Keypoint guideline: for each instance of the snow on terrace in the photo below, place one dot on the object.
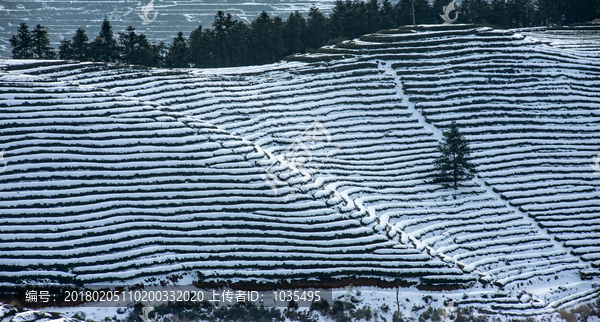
(370, 103)
(582, 39)
(101, 186)
(533, 143)
(385, 106)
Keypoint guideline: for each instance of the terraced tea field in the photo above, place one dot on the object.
(119, 172)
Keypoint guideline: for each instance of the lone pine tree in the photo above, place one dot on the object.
(453, 165)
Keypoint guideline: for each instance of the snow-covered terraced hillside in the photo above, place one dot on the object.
(101, 187)
(361, 205)
(385, 154)
(531, 113)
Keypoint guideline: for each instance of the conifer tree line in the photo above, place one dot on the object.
(34, 44)
(267, 39)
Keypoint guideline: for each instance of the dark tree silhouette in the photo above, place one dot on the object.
(453, 164)
(404, 12)
(222, 33)
(240, 43)
(386, 15)
(159, 54)
(266, 43)
(474, 11)
(80, 45)
(293, 32)
(567, 11)
(64, 49)
(135, 48)
(41, 43)
(200, 42)
(77, 48)
(22, 43)
(105, 48)
(177, 55)
(269, 39)
(317, 29)
(128, 44)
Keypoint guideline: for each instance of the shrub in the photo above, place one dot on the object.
(241, 312)
(581, 313)
(299, 316)
(397, 317)
(321, 306)
(363, 313)
(385, 308)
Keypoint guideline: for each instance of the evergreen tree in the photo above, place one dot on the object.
(474, 11)
(453, 164)
(266, 39)
(518, 13)
(386, 16)
(158, 54)
(135, 48)
(222, 44)
(77, 48)
(404, 15)
(80, 46)
(358, 19)
(260, 38)
(128, 45)
(41, 43)
(240, 44)
(144, 52)
(317, 29)
(564, 12)
(64, 49)
(338, 19)
(104, 47)
(351, 19)
(373, 21)
(293, 32)
(266, 42)
(22, 43)
(277, 49)
(423, 12)
(581, 11)
(549, 11)
(178, 53)
(199, 43)
(498, 13)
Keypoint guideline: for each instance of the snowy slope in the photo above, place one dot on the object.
(100, 187)
(152, 171)
(582, 39)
